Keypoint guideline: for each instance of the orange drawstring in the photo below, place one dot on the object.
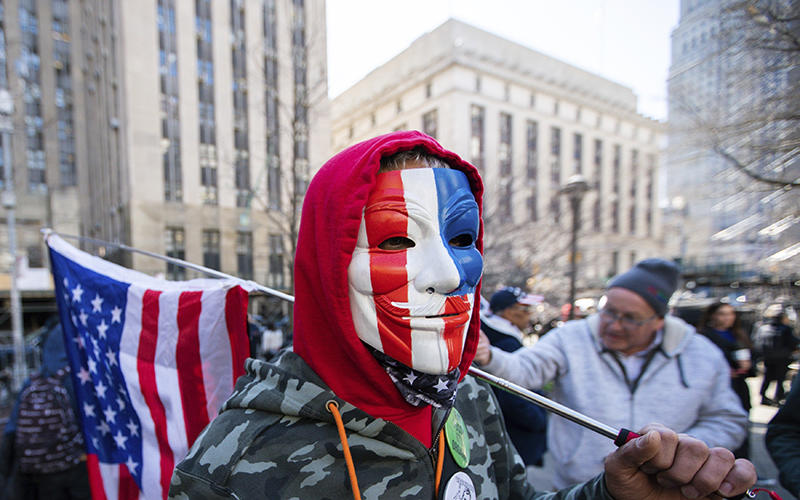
(439, 461)
(333, 407)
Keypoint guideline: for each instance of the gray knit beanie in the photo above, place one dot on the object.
(655, 280)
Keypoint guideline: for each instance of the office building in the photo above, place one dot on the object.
(181, 128)
(528, 122)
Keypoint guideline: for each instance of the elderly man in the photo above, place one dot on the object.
(374, 399)
(629, 364)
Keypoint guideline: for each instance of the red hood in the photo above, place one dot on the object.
(324, 334)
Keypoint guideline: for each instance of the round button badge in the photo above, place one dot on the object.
(460, 487)
(455, 432)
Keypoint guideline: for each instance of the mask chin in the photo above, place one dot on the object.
(430, 345)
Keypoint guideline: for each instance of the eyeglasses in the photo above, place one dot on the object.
(626, 321)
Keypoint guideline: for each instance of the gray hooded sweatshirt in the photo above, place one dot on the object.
(684, 384)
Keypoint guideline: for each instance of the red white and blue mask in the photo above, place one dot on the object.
(413, 274)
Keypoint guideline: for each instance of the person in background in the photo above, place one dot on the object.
(774, 344)
(55, 469)
(374, 395)
(721, 325)
(508, 316)
(626, 365)
(783, 440)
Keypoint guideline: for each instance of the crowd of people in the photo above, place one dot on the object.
(373, 398)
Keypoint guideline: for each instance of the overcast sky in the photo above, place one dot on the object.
(626, 41)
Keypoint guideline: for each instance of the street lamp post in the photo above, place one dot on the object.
(10, 203)
(575, 188)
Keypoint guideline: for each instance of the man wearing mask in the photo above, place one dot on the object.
(374, 397)
(627, 365)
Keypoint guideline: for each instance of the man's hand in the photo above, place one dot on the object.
(484, 353)
(661, 465)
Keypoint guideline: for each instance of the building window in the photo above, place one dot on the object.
(533, 101)
(244, 255)
(2, 164)
(634, 180)
(577, 154)
(504, 204)
(429, 123)
(555, 173)
(272, 111)
(598, 184)
(533, 212)
(614, 264)
(428, 90)
(616, 164)
(32, 96)
(507, 92)
(205, 104)
(505, 150)
(555, 108)
(532, 167)
(399, 106)
(651, 174)
(240, 114)
(276, 254)
(170, 111)
(211, 258)
(35, 256)
(532, 150)
(478, 84)
(62, 61)
(176, 248)
(578, 115)
(476, 141)
(300, 128)
(505, 155)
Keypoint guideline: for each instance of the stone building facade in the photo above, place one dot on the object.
(528, 122)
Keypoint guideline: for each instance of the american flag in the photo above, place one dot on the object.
(152, 361)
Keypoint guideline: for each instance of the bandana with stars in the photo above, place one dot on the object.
(420, 388)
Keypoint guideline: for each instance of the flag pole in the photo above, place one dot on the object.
(620, 436)
(172, 260)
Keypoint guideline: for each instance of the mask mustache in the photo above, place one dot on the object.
(430, 308)
(436, 305)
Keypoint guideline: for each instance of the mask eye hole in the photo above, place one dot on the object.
(396, 243)
(461, 241)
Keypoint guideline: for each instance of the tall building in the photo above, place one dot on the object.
(528, 122)
(733, 103)
(183, 128)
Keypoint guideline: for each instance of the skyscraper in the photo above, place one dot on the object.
(733, 139)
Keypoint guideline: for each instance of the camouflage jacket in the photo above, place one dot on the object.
(275, 439)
